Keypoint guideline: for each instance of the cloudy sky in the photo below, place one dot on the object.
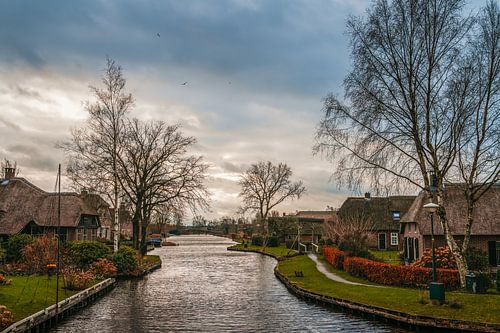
(257, 71)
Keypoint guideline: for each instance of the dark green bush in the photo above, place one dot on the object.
(84, 253)
(125, 260)
(273, 241)
(483, 282)
(477, 260)
(15, 245)
(257, 240)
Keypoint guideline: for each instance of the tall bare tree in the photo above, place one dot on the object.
(155, 169)
(403, 120)
(476, 91)
(93, 148)
(264, 186)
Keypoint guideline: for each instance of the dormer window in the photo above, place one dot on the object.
(396, 215)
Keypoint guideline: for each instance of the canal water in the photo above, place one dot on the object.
(202, 287)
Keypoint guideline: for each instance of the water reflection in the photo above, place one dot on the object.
(202, 287)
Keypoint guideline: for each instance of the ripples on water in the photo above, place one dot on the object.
(202, 287)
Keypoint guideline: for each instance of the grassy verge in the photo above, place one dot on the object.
(475, 308)
(279, 251)
(29, 294)
(150, 260)
(390, 257)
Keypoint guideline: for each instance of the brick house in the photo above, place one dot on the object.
(27, 209)
(416, 225)
(383, 213)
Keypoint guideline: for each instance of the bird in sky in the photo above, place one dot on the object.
(158, 34)
(183, 84)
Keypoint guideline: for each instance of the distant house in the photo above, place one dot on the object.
(27, 209)
(416, 226)
(384, 214)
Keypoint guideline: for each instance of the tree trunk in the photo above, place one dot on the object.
(144, 245)
(116, 224)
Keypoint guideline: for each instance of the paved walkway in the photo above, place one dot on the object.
(322, 268)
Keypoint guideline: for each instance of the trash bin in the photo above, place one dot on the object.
(470, 282)
(436, 291)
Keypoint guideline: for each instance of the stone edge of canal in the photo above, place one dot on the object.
(395, 318)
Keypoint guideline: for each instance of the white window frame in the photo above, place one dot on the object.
(394, 238)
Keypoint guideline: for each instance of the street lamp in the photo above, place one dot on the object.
(436, 289)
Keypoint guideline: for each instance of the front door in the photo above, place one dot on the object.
(381, 241)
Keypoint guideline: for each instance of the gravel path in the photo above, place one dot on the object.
(321, 267)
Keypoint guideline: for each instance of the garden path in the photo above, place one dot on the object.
(323, 269)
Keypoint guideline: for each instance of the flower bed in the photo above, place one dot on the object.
(334, 256)
(394, 275)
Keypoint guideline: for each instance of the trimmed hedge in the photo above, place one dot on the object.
(334, 256)
(84, 253)
(394, 275)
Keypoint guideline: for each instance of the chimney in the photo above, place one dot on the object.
(367, 196)
(9, 172)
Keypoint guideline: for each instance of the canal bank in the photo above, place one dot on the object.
(202, 287)
(314, 286)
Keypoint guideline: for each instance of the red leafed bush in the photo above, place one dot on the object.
(103, 268)
(334, 256)
(39, 253)
(395, 275)
(6, 317)
(3, 280)
(77, 279)
(444, 259)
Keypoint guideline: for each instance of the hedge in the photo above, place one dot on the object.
(334, 256)
(394, 275)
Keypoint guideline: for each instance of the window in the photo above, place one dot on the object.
(396, 215)
(394, 238)
(80, 234)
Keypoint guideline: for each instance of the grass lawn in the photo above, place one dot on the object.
(390, 257)
(280, 251)
(150, 260)
(29, 294)
(476, 308)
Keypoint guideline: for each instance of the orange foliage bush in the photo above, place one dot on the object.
(6, 317)
(76, 279)
(444, 259)
(39, 253)
(394, 275)
(334, 256)
(103, 268)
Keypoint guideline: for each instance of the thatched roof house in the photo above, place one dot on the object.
(384, 214)
(485, 235)
(25, 208)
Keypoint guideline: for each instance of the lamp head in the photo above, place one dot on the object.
(431, 207)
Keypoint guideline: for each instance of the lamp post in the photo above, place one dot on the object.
(436, 289)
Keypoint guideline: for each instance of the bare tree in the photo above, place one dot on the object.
(264, 186)
(400, 123)
(350, 233)
(93, 148)
(476, 91)
(155, 169)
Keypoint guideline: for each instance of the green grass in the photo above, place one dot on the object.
(390, 257)
(476, 308)
(150, 260)
(29, 294)
(280, 251)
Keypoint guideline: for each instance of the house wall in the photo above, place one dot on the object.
(373, 240)
(479, 242)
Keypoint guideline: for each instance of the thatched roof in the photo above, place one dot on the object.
(22, 202)
(486, 215)
(376, 209)
(325, 215)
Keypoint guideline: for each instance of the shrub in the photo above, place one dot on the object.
(125, 260)
(15, 245)
(77, 279)
(334, 256)
(273, 241)
(444, 258)
(84, 253)
(406, 276)
(355, 245)
(103, 268)
(257, 240)
(40, 252)
(3, 280)
(6, 317)
(477, 260)
(483, 282)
